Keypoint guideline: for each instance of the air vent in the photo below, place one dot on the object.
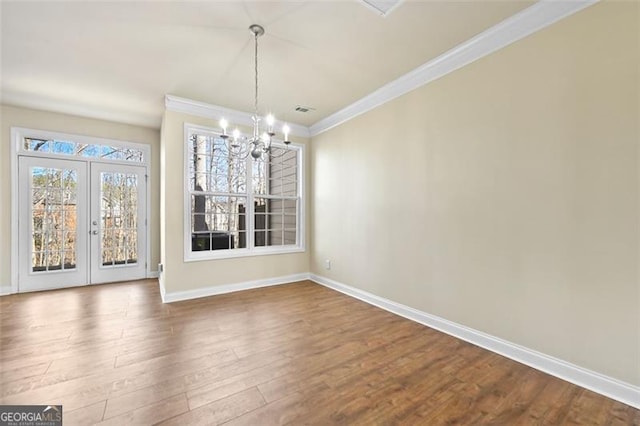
(382, 7)
(301, 108)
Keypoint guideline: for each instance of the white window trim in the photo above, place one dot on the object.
(18, 134)
(191, 256)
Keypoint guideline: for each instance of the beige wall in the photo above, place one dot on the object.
(503, 196)
(180, 275)
(41, 120)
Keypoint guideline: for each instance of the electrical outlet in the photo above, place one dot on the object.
(327, 264)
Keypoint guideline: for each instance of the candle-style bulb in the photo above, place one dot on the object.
(270, 121)
(236, 134)
(224, 123)
(285, 130)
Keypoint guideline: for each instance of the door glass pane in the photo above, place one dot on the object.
(53, 219)
(119, 218)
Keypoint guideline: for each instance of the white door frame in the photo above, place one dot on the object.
(17, 149)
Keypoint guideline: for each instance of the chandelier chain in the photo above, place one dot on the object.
(256, 73)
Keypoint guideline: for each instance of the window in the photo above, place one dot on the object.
(241, 206)
(97, 151)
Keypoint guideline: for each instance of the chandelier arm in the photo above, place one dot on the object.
(283, 149)
(240, 155)
(239, 151)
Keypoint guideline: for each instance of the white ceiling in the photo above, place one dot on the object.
(117, 59)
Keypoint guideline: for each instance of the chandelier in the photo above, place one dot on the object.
(260, 142)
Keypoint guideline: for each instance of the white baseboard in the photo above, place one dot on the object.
(152, 274)
(177, 296)
(596, 382)
(163, 291)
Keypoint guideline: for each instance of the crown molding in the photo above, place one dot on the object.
(372, 7)
(528, 21)
(202, 109)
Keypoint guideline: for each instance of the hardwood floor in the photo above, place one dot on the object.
(291, 354)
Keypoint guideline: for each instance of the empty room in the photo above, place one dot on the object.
(310, 212)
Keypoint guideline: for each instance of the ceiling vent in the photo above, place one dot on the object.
(301, 108)
(382, 7)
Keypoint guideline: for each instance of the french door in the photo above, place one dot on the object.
(117, 224)
(80, 223)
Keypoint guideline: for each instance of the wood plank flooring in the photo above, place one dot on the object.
(292, 354)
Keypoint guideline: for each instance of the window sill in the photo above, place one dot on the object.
(239, 253)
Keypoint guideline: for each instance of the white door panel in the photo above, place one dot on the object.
(53, 251)
(118, 246)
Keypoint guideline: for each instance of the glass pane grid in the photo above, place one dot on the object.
(217, 222)
(212, 169)
(277, 176)
(275, 222)
(53, 216)
(119, 219)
